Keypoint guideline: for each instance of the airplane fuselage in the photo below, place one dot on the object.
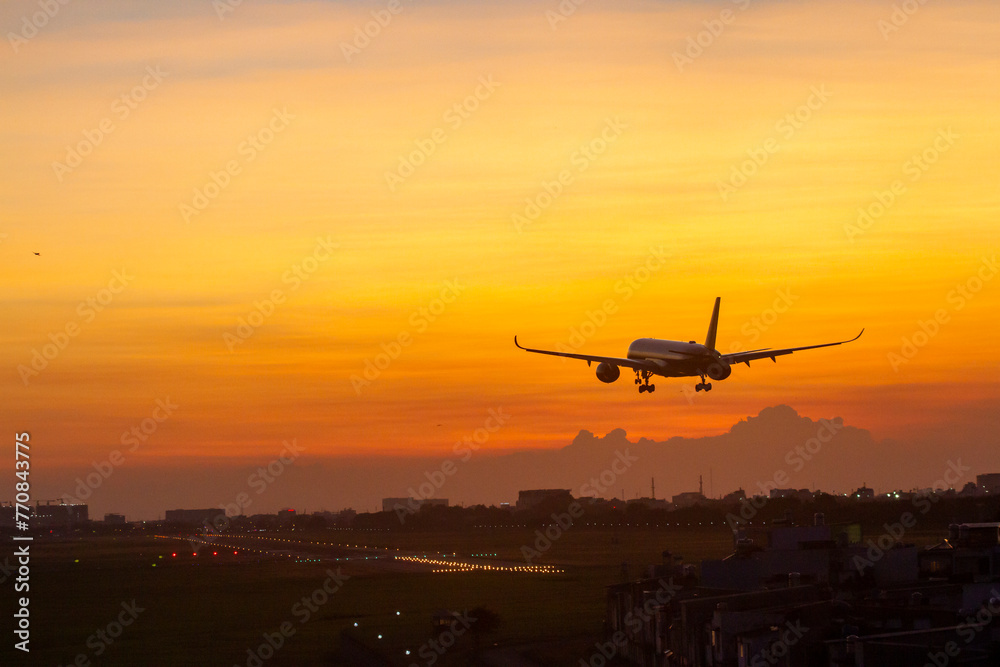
(673, 357)
(667, 350)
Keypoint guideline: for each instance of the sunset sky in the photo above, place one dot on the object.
(239, 211)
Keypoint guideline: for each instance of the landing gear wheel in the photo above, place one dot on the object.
(708, 387)
(699, 386)
(642, 379)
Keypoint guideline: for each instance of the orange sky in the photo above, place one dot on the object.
(308, 214)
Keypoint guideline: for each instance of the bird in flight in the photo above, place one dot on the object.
(38, 253)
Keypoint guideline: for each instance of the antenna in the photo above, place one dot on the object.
(652, 488)
(701, 486)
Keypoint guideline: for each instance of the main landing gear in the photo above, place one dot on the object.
(703, 386)
(642, 379)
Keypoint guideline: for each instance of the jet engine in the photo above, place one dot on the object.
(719, 370)
(608, 372)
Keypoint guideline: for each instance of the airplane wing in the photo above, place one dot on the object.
(617, 361)
(747, 357)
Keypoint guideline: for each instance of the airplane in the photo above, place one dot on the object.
(670, 358)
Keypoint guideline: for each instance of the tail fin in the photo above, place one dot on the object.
(713, 325)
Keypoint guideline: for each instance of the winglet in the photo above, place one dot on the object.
(518, 345)
(851, 340)
(713, 325)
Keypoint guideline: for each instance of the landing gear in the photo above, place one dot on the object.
(703, 386)
(642, 379)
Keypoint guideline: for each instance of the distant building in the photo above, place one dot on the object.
(970, 554)
(688, 499)
(116, 519)
(971, 489)
(817, 595)
(816, 553)
(56, 513)
(737, 496)
(47, 514)
(534, 497)
(199, 518)
(412, 504)
(864, 493)
(651, 503)
(990, 482)
(804, 495)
